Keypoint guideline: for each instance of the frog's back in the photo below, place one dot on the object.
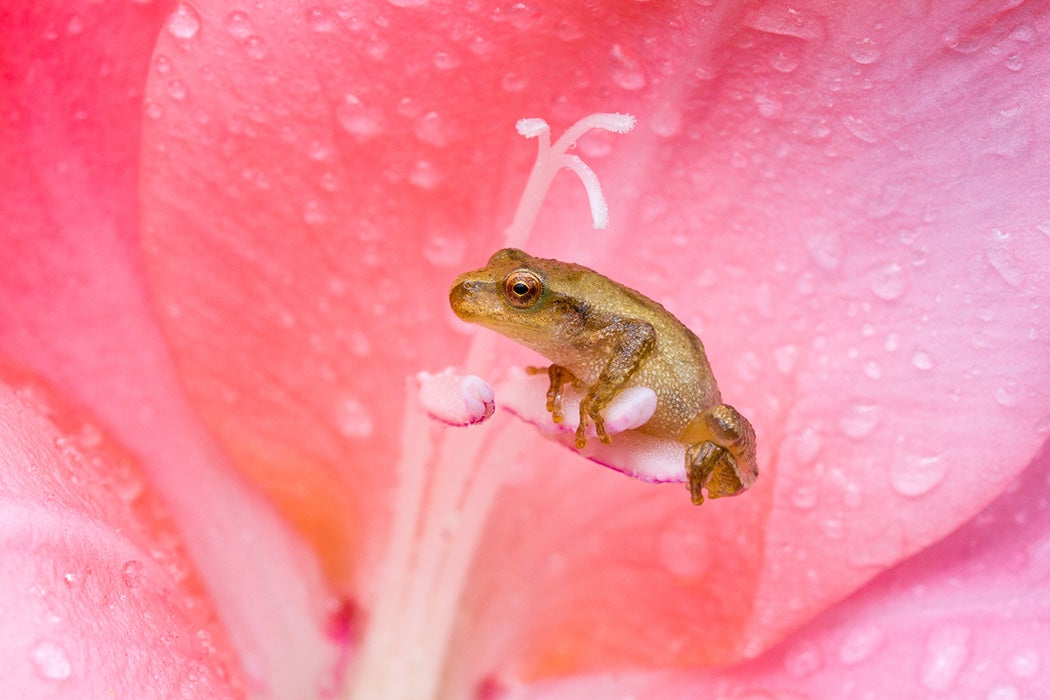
(677, 370)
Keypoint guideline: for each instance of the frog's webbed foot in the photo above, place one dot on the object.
(721, 453)
(559, 377)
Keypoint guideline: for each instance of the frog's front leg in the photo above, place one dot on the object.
(631, 341)
(559, 377)
(721, 453)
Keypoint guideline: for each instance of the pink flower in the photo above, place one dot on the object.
(228, 234)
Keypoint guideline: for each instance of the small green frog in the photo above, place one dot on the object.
(603, 338)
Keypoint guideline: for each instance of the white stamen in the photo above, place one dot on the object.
(550, 159)
(599, 207)
(531, 126)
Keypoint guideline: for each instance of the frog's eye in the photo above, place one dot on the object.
(522, 288)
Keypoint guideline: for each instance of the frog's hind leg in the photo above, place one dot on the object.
(721, 453)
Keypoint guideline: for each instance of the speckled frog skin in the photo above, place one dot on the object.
(603, 338)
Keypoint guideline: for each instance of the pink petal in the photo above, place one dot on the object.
(76, 310)
(968, 618)
(98, 597)
(845, 202)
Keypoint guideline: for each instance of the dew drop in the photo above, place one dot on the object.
(407, 3)
(74, 26)
(424, 175)
(162, 63)
(872, 370)
(803, 660)
(628, 74)
(1001, 258)
(946, 652)
(825, 246)
(1004, 692)
(783, 62)
(51, 661)
(804, 497)
(684, 550)
(959, 42)
(1014, 61)
(914, 475)
(832, 528)
(355, 118)
(860, 419)
(239, 25)
(865, 52)
(354, 419)
(785, 357)
(431, 129)
(184, 22)
(445, 251)
(512, 82)
(255, 47)
(1025, 664)
(133, 574)
(860, 128)
(1006, 395)
(177, 90)
(313, 214)
(889, 282)
(317, 151)
(666, 121)
(319, 20)
(444, 60)
(860, 644)
(153, 110)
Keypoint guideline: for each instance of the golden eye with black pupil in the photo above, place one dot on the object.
(522, 288)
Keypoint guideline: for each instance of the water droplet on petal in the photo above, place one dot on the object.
(804, 496)
(783, 62)
(946, 652)
(132, 574)
(431, 128)
(184, 22)
(860, 644)
(1002, 259)
(872, 370)
(407, 3)
(914, 476)
(1025, 664)
(239, 25)
(445, 60)
(860, 128)
(1014, 61)
(628, 74)
(865, 51)
(860, 419)
(803, 660)
(354, 419)
(51, 661)
(1004, 692)
(922, 360)
(683, 550)
(357, 119)
(177, 90)
(446, 251)
(512, 82)
(825, 246)
(255, 47)
(889, 282)
(319, 20)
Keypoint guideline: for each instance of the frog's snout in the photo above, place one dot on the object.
(463, 296)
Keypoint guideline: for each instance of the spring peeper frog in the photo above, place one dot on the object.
(603, 338)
